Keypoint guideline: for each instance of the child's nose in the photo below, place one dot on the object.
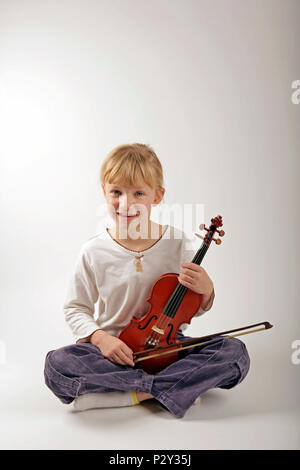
(125, 203)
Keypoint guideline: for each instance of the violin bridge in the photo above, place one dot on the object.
(158, 330)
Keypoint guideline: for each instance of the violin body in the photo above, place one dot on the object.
(156, 327)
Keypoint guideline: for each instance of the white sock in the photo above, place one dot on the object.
(105, 400)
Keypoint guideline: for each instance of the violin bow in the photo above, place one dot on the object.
(162, 350)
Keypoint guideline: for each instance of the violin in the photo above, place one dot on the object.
(153, 337)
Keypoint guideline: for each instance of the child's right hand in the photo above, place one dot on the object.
(112, 348)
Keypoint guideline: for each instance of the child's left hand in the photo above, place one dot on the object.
(196, 278)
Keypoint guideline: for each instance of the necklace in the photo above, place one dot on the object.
(138, 263)
(138, 258)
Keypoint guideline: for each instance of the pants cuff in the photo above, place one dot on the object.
(168, 403)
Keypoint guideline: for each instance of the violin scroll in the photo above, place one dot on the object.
(216, 222)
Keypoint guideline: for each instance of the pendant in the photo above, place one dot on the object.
(138, 263)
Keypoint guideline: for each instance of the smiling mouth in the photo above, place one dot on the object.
(127, 216)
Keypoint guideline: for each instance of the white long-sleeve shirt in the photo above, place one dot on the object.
(105, 273)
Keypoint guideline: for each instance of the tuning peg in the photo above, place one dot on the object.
(202, 227)
(218, 241)
(221, 233)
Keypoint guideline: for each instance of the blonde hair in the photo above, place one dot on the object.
(129, 162)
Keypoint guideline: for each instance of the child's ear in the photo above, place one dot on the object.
(159, 195)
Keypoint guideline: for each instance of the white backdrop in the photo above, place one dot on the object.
(209, 86)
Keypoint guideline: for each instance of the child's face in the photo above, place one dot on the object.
(136, 201)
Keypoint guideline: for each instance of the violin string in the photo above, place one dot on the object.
(175, 301)
(177, 298)
(164, 318)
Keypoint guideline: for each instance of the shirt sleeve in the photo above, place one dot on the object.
(82, 294)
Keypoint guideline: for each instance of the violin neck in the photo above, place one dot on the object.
(198, 258)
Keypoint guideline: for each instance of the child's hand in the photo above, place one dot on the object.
(112, 348)
(196, 278)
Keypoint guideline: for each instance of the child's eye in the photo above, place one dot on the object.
(116, 190)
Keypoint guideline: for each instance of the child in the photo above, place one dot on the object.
(118, 267)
